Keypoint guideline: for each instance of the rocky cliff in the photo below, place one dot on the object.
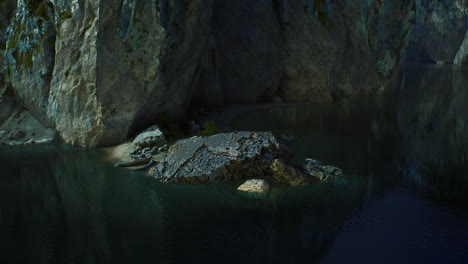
(7, 7)
(93, 69)
(439, 33)
(97, 71)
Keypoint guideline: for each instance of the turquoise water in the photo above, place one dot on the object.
(404, 197)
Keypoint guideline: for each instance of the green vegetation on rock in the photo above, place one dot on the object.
(24, 44)
(38, 8)
(209, 129)
(65, 15)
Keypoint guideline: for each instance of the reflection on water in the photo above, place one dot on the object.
(60, 205)
(64, 205)
(403, 198)
(410, 151)
(432, 114)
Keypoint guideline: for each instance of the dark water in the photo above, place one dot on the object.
(404, 197)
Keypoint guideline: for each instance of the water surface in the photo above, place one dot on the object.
(404, 197)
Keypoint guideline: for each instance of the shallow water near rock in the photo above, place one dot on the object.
(403, 199)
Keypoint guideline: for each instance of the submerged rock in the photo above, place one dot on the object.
(255, 186)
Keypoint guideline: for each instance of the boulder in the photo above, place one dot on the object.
(255, 186)
(150, 138)
(217, 158)
(233, 156)
(321, 171)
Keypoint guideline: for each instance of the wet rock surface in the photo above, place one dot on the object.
(218, 158)
(255, 186)
(321, 171)
(230, 156)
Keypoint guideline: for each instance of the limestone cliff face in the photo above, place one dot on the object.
(337, 49)
(7, 7)
(29, 56)
(93, 69)
(461, 58)
(439, 32)
(97, 70)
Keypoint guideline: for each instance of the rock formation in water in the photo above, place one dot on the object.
(234, 156)
(97, 71)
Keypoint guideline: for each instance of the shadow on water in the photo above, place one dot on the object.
(64, 205)
(409, 149)
(61, 205)
(403, 198)
(432, 118)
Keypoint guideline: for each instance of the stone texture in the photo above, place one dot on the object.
(150, 137)
(7, 107)
(340, 49)
(255, 186)
(321, 171)
(97, 99)
(285, 173)
(218, 158)
(440, 29)
(29, 56)
(98, 71)
(233, 156)
(21, 128)
(6, 9)
(461, 59)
